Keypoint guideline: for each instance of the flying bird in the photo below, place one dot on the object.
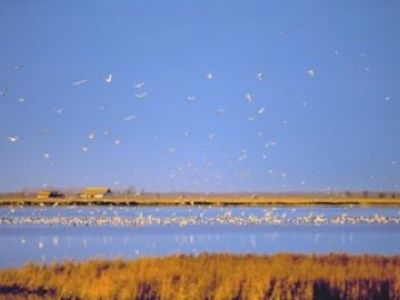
(249, 97)
(58, 111)
(191, 98)
(91, 136)
(261, 110)
(13, 139)
(79, 82)
(21, 99)
(130, 118)
(260, 76)
(311, 73)
(84, 149)
(141, 95)
(109, 78)
(210, 76)
(138, 85)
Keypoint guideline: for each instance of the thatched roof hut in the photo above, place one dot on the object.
(95, 192)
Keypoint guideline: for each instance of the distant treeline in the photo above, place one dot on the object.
(218, 276)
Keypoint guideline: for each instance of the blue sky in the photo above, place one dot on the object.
(338, 129)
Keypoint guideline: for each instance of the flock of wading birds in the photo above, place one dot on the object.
(269, 217)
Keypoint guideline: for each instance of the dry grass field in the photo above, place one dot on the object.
(218, 276)
(210, 199)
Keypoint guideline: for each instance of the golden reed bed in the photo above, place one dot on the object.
(217, 276)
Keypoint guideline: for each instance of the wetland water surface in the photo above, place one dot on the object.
(45, 234)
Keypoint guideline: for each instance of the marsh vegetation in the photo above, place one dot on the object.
(217, 276)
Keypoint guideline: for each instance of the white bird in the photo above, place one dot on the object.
(188, 133)
(130, 118)
(138, 85)
(311, 73)
(109, 78)
(304, 103)
(261, 110)
(91, 136)
(117, 142)
(141, 95)
(191, 98)
(210, 76)
(249, 97)
(46, 155)
(260, 76)
(84, 149)
(58, 111)
(18, 67)
(387, 98)
(21, 99)
(79, 82)
(13, 139)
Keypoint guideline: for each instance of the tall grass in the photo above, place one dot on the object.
(217, 276)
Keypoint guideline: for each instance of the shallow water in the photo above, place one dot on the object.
(45, 243)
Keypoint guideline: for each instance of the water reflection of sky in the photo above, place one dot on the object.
(19, 244)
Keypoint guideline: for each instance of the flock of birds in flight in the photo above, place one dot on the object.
(142, 93)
